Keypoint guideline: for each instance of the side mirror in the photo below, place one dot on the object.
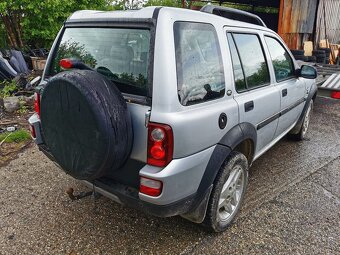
(307, 72)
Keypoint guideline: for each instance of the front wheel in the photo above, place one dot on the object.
(228, 193)
(305, 124)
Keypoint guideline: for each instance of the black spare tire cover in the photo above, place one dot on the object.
(86, 124)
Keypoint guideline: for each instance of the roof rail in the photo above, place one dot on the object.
(233, 14)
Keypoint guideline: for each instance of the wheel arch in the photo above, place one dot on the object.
(311, 96)
(241, 138)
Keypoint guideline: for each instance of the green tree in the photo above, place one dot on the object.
(11, 16)
(37, 22)
(170, 3)
(3, 38)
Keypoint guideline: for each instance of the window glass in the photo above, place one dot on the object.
(200, 74)
(120, 54)
(253, 61)
(283, 65)
(240, 82)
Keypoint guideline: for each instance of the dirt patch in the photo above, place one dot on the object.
(9, 151)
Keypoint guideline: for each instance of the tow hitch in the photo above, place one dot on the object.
(72, 196)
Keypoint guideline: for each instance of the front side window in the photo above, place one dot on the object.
(120, 54)
(253, 60)
(200, 74)
(282, 63)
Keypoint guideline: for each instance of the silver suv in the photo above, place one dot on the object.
(165, 109)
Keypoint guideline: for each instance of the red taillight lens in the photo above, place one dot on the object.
(37, 103)
(150, 187)
(66, 63)
(33, 131)
(160, 144)
(335, 94)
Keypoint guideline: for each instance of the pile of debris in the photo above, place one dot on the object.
(19, 74)
(326, 53)
(13, 103)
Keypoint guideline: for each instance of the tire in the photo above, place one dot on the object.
(314, 52)
(320, 55)
(217, 218)
(298, 52)
(320, 60)
(305, 124)
(326, 50)
(86, 124)
(300, 58)
(311, 59)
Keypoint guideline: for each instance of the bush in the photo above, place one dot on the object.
(7, 88)
(15, 137)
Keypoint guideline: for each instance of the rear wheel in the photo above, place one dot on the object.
(228, 193)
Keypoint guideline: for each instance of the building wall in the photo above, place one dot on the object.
(296, 21)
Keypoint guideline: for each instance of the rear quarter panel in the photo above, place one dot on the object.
(195, 127)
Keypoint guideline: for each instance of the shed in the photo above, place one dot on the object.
(295, 21)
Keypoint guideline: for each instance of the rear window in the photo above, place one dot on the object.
(120, 54)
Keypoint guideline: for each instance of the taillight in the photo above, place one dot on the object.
(32, 129)
(150, 187)
(335, 94)
(37, 103)
(160, 144)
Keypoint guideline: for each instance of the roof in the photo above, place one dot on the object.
(148, 12)
(145, 13)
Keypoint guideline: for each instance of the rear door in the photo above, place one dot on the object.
(258, 100)
(292, 89)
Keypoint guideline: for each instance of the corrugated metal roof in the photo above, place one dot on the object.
(298, 16)
(329, 10)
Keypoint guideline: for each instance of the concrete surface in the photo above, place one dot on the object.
(292, 206)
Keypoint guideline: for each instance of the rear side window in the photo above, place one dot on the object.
(282, 63)
(253, 60)
(240, 82)
(200, 73)
(120, 54)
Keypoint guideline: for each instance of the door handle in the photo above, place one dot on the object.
(284, 92)
(249, 106)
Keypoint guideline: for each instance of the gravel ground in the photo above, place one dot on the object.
(292, 206)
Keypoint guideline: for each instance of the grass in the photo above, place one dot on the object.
(16, 136)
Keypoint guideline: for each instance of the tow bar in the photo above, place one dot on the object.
(72, 196)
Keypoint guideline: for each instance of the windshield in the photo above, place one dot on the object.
(120, 54)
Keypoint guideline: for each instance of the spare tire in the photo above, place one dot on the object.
(86, 124)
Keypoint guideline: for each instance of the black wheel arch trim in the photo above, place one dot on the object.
(226, 145)
(312, 94)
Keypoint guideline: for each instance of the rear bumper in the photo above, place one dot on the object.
(181, 179)
(129, 197)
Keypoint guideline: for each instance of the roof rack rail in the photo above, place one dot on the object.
(233, 14)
